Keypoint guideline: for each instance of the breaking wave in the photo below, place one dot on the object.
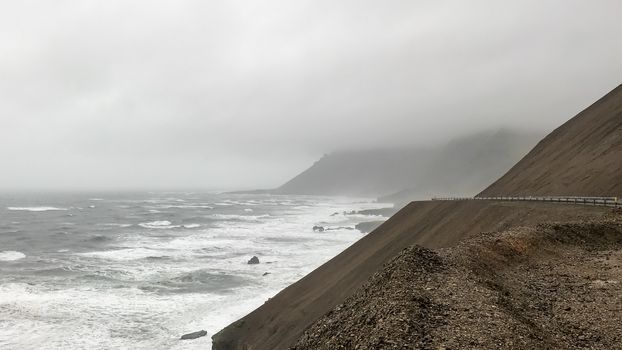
(36, 209)
(11, 255)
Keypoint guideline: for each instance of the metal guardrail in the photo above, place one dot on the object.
(614, 202)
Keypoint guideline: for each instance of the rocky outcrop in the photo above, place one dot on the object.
(195, 335)
(253, 261)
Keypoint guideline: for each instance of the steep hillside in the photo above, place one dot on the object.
(463, 167)
(531, 287)
(544, 287)
(280, 322)
(583, 157)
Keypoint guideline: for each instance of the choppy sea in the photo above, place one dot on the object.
(138, 270)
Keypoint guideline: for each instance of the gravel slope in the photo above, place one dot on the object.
(550, 286)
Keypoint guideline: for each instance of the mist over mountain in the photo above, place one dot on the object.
(463, 166)
(580, 158)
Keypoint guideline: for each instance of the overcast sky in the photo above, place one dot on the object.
(244, 93)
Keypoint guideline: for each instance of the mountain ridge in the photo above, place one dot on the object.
(463, 165)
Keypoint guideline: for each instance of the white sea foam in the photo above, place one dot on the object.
(10, 255)
(127, 304)
(126, 254)
(123, 318)
(189, 206)
(229, 217)
(36, 209)
(157, 224)
(115, 225)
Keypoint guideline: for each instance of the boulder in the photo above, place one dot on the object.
(253, 261)
(194, 335)
(318, 229)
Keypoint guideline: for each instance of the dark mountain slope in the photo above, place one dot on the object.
(582, 157)
(281, 320)
(463, 166)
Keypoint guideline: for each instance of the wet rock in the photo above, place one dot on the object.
(339, 228)
(194, 335)
(266, 274)
(318, 229)
(253, 261)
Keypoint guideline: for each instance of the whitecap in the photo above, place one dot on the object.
(233, 217)
(192, 226)
(126, 254)
(157, 224)
(189, 206)
(115, 225)
(10, 255)
(248, 210)
(35, 209)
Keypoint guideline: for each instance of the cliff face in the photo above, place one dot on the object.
(461, 167)
(281, 321)
(583, 157)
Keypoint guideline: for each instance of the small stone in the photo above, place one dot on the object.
(253, 261)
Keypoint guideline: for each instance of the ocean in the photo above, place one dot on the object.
(138, 270)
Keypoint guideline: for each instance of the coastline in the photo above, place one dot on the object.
(281, 321)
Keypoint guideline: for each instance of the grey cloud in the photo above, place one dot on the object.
(244, 93)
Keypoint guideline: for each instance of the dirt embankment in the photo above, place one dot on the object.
(281, 321)
(580, 158)
(551, 286)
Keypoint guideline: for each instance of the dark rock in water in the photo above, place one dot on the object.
(266, 274)
(194, 335)
(318, 229)
(253, 261)
(339, 228)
